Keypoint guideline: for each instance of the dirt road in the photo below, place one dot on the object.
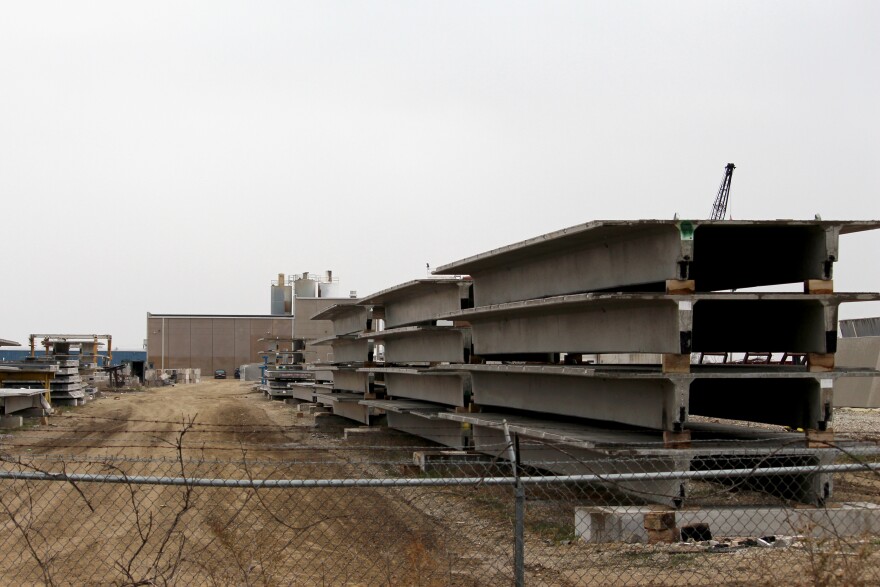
(128, 534)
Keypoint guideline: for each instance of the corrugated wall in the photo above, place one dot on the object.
(209, 343)
(217, 342)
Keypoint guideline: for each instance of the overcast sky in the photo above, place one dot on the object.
(173, 157)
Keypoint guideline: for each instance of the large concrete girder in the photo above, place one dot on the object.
(445, 432)
(489, 438)
(644, 254)
(303, 392)
(346, 318)
(421, 301)
(346, 405)
(352, 350)
(802, 402)
(659, 323)
(572, 448)
(449, 388)
(425, 344)
(659, 403)
(648, 398)
(352, 379)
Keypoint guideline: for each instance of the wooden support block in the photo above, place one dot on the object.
(820, 438)
(680, 286)
(819, 286)
(820, 362)
(673, 439)
(471, 408)
(659, 520)
(674, 363)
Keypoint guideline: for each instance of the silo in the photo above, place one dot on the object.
(282, 298)
(329, 288)
(306, 286)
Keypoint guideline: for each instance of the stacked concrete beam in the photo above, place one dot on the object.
(645, 287)
(285, 367)
(352, 349)
(649, 287)
(412, 395)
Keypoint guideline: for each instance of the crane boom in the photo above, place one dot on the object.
(719, 209)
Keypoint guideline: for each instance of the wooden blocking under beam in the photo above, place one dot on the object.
(660, 527)
(673, 363)
(673, 439)
(471, 408)
(819, 286)
(820, 362)
(820, 438)
(680, 286)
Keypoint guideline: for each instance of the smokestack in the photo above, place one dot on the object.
(280, 279)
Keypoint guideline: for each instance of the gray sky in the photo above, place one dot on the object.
(175, 156)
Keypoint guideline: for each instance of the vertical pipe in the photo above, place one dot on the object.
(163, 344)
(519, 500)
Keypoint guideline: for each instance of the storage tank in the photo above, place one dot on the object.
(282, 298)
(306, 286)
(329, 287)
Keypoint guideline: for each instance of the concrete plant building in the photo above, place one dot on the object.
(225, 341)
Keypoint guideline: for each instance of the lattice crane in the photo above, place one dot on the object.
(719, 209)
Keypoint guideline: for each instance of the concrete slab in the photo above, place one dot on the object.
(659, 323)
(421, 300)
(627, 523)
(644, 254)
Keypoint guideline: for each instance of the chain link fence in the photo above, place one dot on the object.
(405, 515)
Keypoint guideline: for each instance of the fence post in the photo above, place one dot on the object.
(519, 523)
(519, 557)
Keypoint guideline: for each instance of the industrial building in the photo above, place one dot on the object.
(225, 341)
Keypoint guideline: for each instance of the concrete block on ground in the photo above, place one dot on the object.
(363, 434)
(647, 524)
(11, 421)
(457, 461)
(316, 409)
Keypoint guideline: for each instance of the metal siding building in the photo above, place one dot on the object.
(211, 342)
